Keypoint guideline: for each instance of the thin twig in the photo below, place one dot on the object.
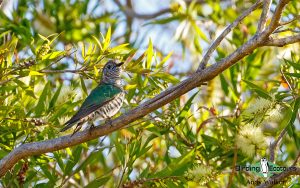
(279, 177)
(276, 17)
(274, 145)
(59, 59)
(296, 160)
(291, 88)
(10, 79)
(60, 71)
(264, 16)
(282, 41)
(286, 30)
(227, 30)
(233, 167)
(211, 119)
(297, 17)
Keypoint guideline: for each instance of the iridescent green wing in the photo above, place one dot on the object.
(97, 98)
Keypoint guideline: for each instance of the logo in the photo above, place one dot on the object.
(264, 166)
(265, 169)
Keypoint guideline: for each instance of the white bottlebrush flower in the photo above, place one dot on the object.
(259, 106)
(250, 139)
(201, 174)
(275, 113)
(262, 110)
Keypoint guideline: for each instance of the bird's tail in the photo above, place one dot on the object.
(67, 126)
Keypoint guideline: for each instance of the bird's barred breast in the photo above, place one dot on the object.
(111, 108)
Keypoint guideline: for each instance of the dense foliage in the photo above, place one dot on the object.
(51, 56)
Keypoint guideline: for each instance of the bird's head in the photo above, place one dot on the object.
(111, 72)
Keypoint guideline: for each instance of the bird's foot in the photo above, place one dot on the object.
(91, 128)
(78, 127)
(108, 120)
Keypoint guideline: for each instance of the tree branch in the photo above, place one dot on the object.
(297, 17)
(61, 71)
(274, 145)
(195, 80)
(264, 16)
(286, 30)
(261, 36)
(233, 167)
(282, 41)
(276, 16)
(279, 177)
(227, 30)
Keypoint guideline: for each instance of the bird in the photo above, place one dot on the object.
(104, 101)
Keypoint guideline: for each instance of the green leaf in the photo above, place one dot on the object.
(21, 84)
(199, 32)
(297, 75)
(130, 86)
(30, 92)
(178, 166)
(120, 151)
(53, 55)
(165, 76)
(209, 141)
(197, 45)
(58, 158)
(51, 178)
(295, 65)
(98, 42)
(55, 37)
(41, 105)
(98, 182)
(35, 73)
(73, 160)
(55, 97)
(224, 84)
(44, 38)
(119, 49)
(107, 39)
(261, 92)
(164, 60)
(186, 107)
(138, 70)
(94, 156)
(291, 127)
(149, 55)
(83, 86)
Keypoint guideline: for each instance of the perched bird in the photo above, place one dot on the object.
(104, 101)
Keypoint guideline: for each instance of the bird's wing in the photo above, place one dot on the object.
(97, 98)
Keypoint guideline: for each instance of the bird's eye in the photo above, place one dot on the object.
(108, 66)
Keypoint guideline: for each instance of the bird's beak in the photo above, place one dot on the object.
(120, 64)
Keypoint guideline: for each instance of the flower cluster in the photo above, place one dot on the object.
(250, 139)
(201, 174)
